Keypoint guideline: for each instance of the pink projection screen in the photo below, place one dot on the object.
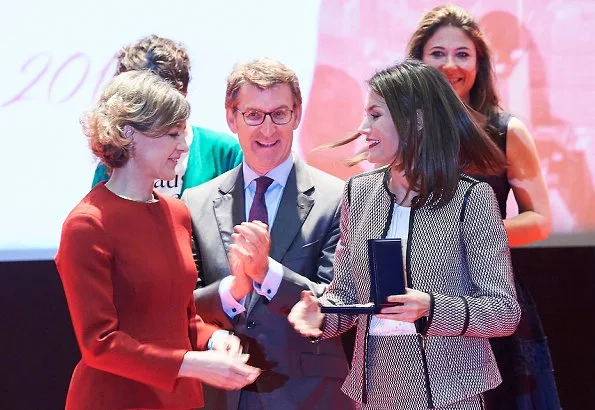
(544, 73)
(57, 56)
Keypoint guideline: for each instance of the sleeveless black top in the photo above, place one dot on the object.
(497, 128)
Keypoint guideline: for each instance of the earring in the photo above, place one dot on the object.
(420, 119)
(128, 131)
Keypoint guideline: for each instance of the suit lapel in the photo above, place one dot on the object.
(296, 203)
(229, 205)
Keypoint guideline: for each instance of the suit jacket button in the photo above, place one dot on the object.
(251, 324)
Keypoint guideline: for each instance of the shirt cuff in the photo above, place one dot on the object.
(270, 285)
(231, 307)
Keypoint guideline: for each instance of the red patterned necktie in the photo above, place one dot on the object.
(258, 210)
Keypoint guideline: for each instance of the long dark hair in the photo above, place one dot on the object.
(438, 137)
(482, 97)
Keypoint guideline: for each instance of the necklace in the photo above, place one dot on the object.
(147, 201)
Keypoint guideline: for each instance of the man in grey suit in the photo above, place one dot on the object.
(252, 273)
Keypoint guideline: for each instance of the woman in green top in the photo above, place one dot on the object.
(210, 153)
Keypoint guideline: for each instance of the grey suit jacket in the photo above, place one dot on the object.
(298, 374)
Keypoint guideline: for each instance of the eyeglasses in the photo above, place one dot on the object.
(253, 118)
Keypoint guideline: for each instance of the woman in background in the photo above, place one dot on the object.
(432, 350)
(127, 269)
(449, 39)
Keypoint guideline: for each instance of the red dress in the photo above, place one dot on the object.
(128, 275)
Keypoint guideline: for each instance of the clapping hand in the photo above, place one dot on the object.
(250, 249)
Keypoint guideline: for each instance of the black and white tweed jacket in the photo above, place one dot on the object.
(459, 254)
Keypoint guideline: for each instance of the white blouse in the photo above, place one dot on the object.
(399, 228)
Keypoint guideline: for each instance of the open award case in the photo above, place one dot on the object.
(387, 277)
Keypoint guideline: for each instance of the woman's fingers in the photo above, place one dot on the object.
(410, 306)
(240, 374)
(305, 316)
(309, 300)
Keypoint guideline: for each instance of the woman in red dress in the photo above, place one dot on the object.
(126, 265)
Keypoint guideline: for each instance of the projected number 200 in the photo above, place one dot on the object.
(39, 68)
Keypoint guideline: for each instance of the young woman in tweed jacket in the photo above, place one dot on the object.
(432, 351)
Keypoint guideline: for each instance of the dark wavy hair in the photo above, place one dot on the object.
(166, 58)
(482, 97)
